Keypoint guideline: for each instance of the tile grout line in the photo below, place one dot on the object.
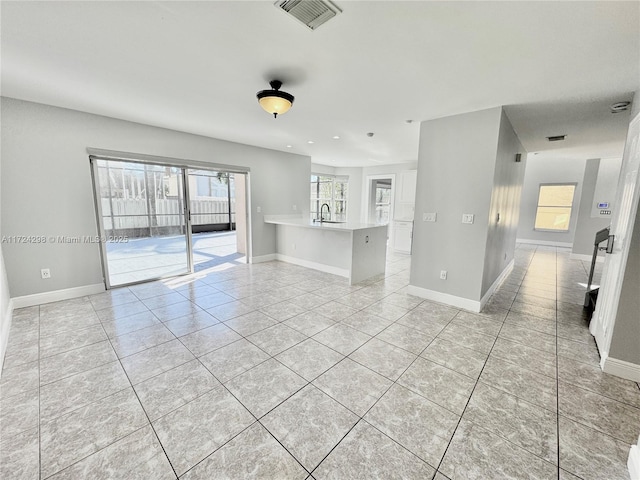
(139, 403)
(476, 384)
(557, 371)
(39, 404)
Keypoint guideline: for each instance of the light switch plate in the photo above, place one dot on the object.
(467, 218)
(429, 217)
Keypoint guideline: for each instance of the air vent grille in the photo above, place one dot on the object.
(312, 13)
(556, 138)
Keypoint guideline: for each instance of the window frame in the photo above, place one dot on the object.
(570, 207)
(333, 201)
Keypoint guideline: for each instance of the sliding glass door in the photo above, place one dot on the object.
(144, 220)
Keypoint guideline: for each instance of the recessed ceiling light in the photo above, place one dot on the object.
(289, 146)
(336, 137)
(310, 142)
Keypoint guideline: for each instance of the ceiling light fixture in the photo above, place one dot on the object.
(275, 101)
(336, 137)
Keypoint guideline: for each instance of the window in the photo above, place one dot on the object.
(554, 207)
(332, 191)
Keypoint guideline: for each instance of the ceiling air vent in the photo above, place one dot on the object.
(312, 13)
(556, 138)
(620, 107)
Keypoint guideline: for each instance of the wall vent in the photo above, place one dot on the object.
(312, 13)
(556, 138)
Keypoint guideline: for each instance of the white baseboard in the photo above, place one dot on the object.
(586, 258)
(342, 272)
(57, 295)
(633, 463)
(496, 284)
(545, 243)
(620, 368)
(460, 302)
(5, 324)
(263, 258)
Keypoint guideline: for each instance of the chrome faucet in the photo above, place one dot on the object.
(328, 211)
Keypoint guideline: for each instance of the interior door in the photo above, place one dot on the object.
(143, 220)
(627, 198)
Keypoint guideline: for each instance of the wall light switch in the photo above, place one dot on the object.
(295, 208)
(258, 209)
(429, 217)
(467, 218)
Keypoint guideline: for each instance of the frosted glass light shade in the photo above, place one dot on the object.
(275, 105)
(275, 101)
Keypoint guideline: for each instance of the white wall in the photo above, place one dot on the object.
(392, 169)
(354, 194)
(543, 170)
(47, 190)
(356, 201)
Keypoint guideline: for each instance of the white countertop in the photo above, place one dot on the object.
(298, 221)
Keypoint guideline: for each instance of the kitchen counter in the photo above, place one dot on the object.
(353, 250)
(301, 222)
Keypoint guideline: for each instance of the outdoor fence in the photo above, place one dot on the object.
(130, 215)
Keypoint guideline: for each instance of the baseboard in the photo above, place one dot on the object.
(459, 302)
(342, 272)
(263, 258)
(496, 284)
(545, 243)
(586, 258)
(4, 332)
(57, 295)
(620, 368)
(633, 463)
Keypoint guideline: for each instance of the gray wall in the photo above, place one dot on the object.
(586, 225)
(625, 341)
(543, 170)
(456, 168)
(505, 201)
(47, 190)
(5, 311)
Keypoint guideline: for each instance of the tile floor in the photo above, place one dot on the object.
(275, 371)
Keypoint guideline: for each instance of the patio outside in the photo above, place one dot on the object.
(154, 257)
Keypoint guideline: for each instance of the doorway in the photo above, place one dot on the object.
(379, 199)
(214, 200)
(159, 221)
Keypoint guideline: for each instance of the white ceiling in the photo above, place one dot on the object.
(196, 67)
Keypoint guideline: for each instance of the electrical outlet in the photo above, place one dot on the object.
(443, 274)
(467, 218)
(429, 217)
(45, 273)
